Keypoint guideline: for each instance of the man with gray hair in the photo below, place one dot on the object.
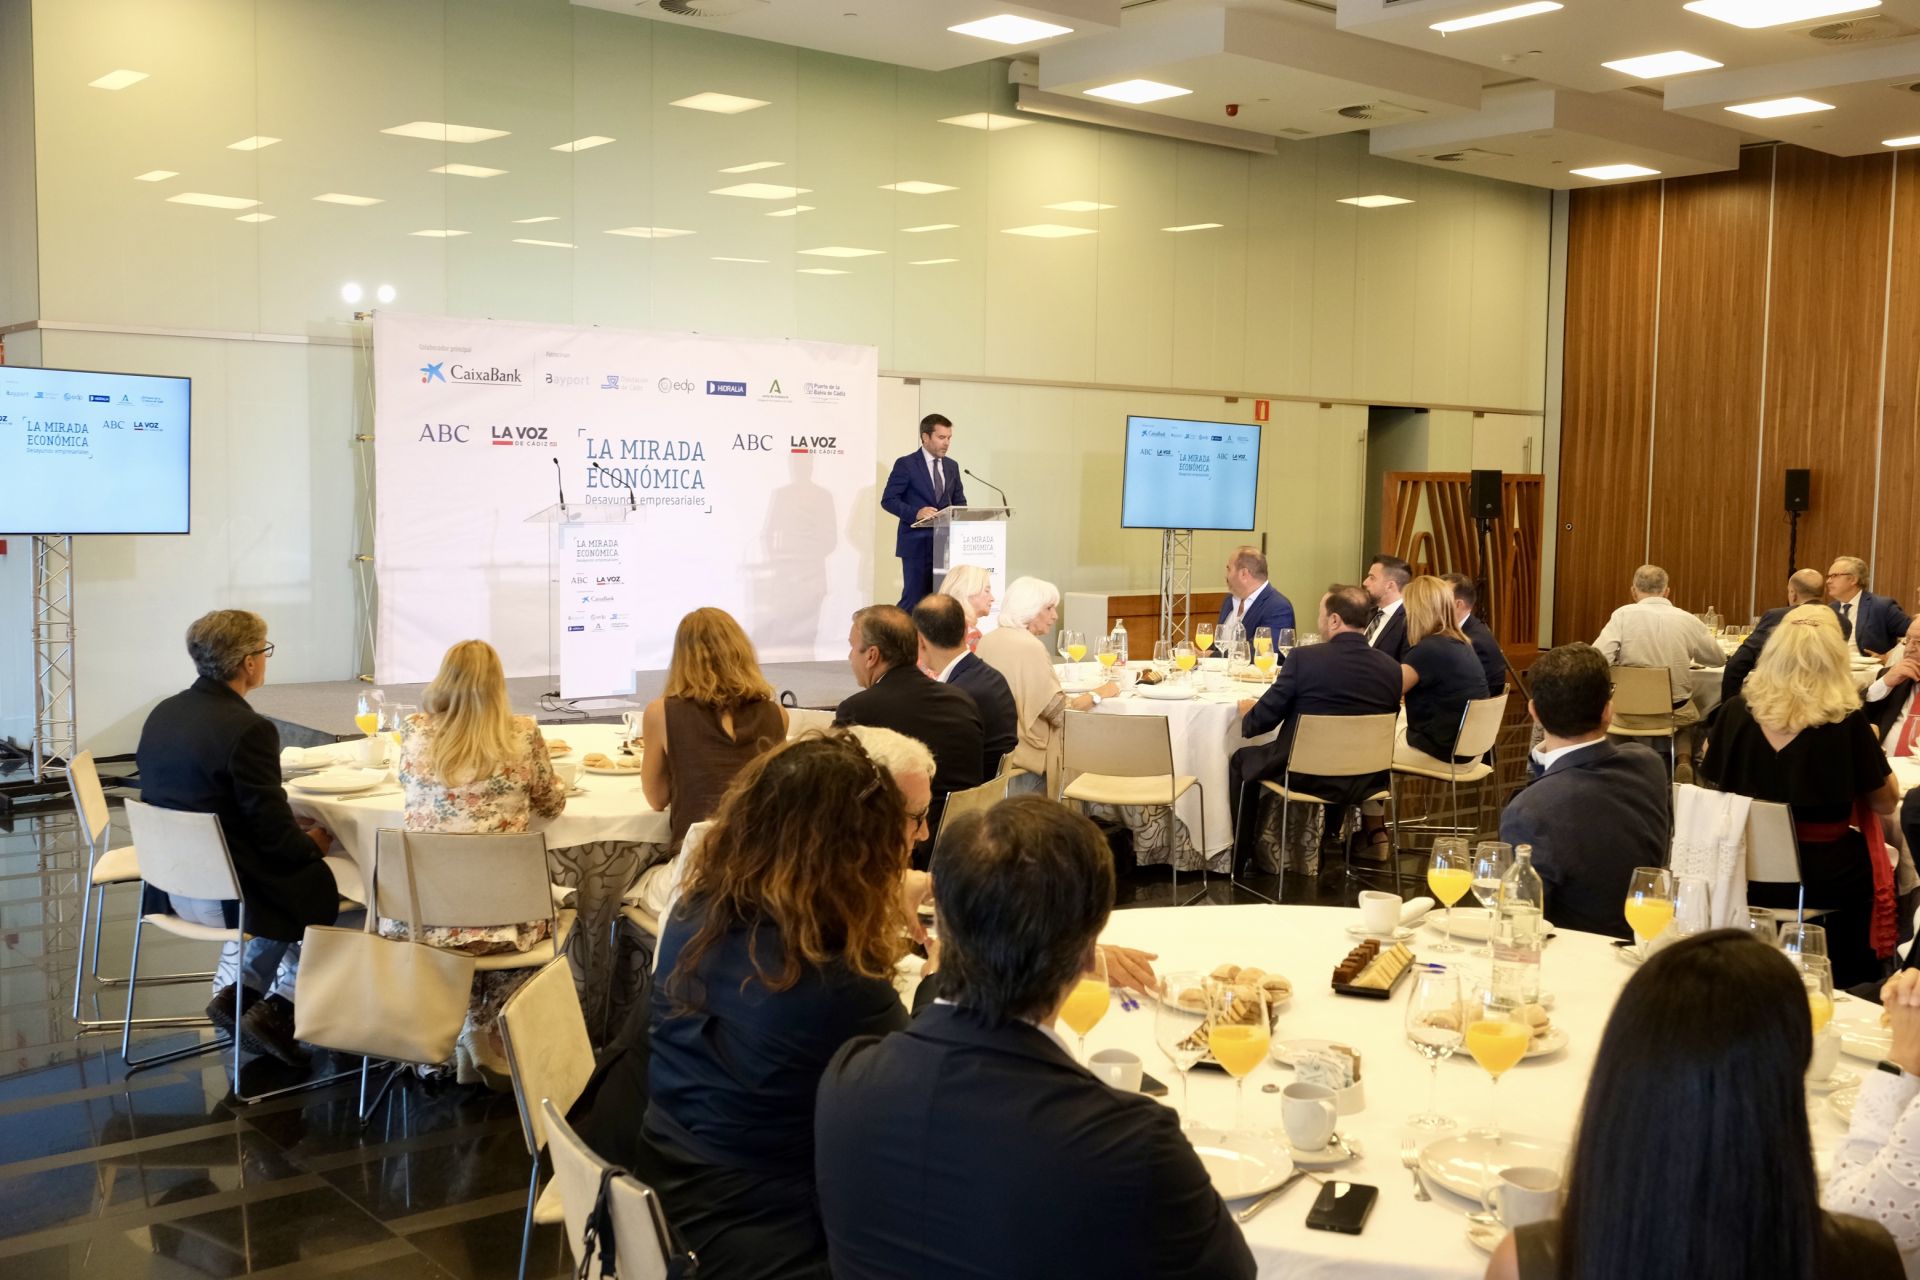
(1878, 622)
(1806, 586)
(1650, 632)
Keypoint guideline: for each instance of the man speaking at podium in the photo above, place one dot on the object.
(923, 482)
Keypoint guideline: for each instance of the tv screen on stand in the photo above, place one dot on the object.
(90, 452)
(1182, 474)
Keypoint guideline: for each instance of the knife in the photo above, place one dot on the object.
(1247, 1214)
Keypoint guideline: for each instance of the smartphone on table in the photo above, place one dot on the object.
(1342, 1207)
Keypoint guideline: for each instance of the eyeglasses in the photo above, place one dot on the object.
(265, 653)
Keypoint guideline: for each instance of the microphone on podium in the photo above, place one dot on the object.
(559, 480)
(614, 476)
(990, 484)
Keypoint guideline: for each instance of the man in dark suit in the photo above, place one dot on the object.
(1479, 634)
(1804, 587)
(1343, 676)
(942, 624)
(1387, 629)
(1596, 811)
(204, 750)
(896, 694)
(1878, 621)
(1020, 1163)
(1251, 599)
(924, 482)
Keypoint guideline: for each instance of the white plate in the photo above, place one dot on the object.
(633, 772)
(1241, 1164)
(1168, 691)
(1841, 1101)
(1286, 1052)
(1075, 687)
(1473, 923)
(335, 782)
(1864, 1041)
(1460, 1164)
(1840, 1079)
(1399, 935)
(1553, 1042)
(1485, 1238)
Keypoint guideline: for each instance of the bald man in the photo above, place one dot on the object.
(1804, 587)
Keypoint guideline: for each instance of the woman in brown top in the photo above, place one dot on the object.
(717, 713)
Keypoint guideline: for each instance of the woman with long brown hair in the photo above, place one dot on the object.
(781, 948)
(717, 713)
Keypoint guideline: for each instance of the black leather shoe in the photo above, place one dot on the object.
(268, 1028)
(220, 1012)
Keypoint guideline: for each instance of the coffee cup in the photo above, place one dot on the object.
(1308, 1112)
(1523, 1194)
(1118, 1068)
(371, 751)
(1379, 912)
(568, 771)
(1826, 1057)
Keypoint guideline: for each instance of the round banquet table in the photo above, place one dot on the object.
(598, 846)
(1539, 1098)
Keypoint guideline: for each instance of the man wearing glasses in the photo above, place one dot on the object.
(1878, 621)
(204, 750)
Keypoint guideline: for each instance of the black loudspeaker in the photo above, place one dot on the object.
(1483, 502)
(1799, 488)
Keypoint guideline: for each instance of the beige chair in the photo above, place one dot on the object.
(106, 866)
(1773, 852)
(807, 719)
(1646, 693)
(1128, 760)
(1337, 747)
(550, 1058)
(973, 800)
(642, 1243)
(1479, 730)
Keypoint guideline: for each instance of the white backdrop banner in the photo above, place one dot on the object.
(749, 465)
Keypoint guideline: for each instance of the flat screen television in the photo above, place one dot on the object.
(1182, 474)
(91, 452)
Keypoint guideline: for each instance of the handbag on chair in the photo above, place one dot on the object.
(381, 997)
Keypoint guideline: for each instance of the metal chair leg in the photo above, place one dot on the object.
(127, 1022)
(526, 1231)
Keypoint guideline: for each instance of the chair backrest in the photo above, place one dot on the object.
(1123, 746)
(548, 1052)
(1342, 746)
(803, 719)
(641, 1242)
(1773, 851)
(1480, 725)
(189, 855)
(1642, 691)
(972, 800)
(89, 801)
(471, 880)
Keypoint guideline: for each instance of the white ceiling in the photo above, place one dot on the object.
(1288, 67)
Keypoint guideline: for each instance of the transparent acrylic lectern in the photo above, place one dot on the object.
(968, 535)
(561, 518)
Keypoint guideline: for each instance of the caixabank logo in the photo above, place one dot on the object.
(815, 445)
(469, 374)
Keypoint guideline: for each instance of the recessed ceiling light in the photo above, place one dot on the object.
(931, 226)
(821, 271)
(760, 191)
(467, 170)
(1080, 206)
(351, 292)
(1047, 231)
(255, 217)
(649, 233)
(435, 131)
(340, 197)
(725, 104)
(931, 262)
(756, 165)
(254, 143)
(985, 120)
(546, 244)
(587, 143)
(1375, 202)
(759, 261)
(842, 251)
(916, 187)
(1754, 14)
(438, 233)
(156, 175)
(788, 213)
(1195, 226)
(1902, 142)
(212, 202)
(1608, 172)
(1497, 15)
(545, 217)
(1137, 91)
(1775, 107)
(118, 79)
(1008, 28)
(1658, 66)
(386, 293)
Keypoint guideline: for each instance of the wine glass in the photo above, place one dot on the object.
(1263, 640)
(1236, 656)
(1816, 975)
(1179, 1028)
(1238, 1035)
(1434, 1017)
(1183, 657)
(1649, 905)
(1449, 876)
(1162, 656)
(1492, 859)
(1283, 639)
(1203, 637)
(366, 710)
(1076, 646)
(1497, 1036)
(1692, 905)
(1087, 1003)
(1060, 641)
(1802, 941)
(1760, 923)
(1107, 654)
(1265, 662)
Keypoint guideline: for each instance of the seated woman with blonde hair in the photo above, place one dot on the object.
(1015, 650)
(972, 586)
(468, 765)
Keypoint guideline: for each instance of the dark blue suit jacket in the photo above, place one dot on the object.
(1740, 665)
(999, 717)
(1486, 647)
(1342, 677)
(1878, 621)
(1270, 609)
(910, 488)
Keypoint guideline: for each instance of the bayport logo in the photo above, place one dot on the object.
(432, 372)
(722, 388)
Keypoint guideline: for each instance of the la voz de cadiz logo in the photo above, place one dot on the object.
(725, 388)
(492, 375)
(464, 433)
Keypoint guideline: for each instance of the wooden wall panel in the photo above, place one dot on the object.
(1613, 247)
(1707, 402)
(1823, 353)
(1896, 566)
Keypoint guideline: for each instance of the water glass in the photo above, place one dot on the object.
(1692, 905)
(1800, 940)
(1435, 1020)
(1761, 924)
(1180, 1029)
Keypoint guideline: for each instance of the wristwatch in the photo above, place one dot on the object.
(1095, 697)
(1891, 1068)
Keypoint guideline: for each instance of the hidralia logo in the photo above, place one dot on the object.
(101, 399)
(431, 372)
(726, 388)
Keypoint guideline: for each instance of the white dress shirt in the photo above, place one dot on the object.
(1850, 610)
(1876, 1173)
(1240, 607)
(933, 473)
(1546, 759)
(948, 669)
(1650, 632)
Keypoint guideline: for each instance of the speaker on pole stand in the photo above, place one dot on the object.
(1799, 496)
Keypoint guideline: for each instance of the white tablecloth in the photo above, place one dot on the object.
(1540, 1097)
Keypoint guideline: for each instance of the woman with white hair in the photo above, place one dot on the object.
(972, 586)
(1029, 611)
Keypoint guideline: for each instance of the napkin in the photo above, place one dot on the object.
(1411, 911)
(311, 757)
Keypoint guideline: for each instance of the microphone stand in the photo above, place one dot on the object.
(559, 481)
(990, 484)
(631, 504)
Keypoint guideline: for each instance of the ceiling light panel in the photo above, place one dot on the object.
(546, 244)
(1659, 66)
(1487, 19)
(467, 171)
(255, 217)
(757, 261)
(725, 104)
(1902, 142)
(650, 233)
(932, 226)
(1137, 91)
(1774, 108)
(985, 120)
(438, 233)
(1080, 206)
(1048, 231)
(1375, 201)
(587, 143)
(1008, 28)
(821, 271)
(117, 80)
(788, 213)
(255, 143)
(1613, 172)
(341, 197)
(1757, 14)
(211, 201)
(916, 187)
(842, 251)
(156, 175)
(545, 217)
(436, 131)
(932, 262)
(755, 166)
(760, 191)
(1196, 226)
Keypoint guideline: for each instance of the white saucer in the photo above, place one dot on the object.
(1167, 691)
(611, 773)
(1840, 1079)
(1398, 935)
(1553, 1042)
(1325, 1158)
(1484, 1237)
(339, 781)
(1459, 1164)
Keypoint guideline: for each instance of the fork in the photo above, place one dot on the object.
(1410, 1157)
